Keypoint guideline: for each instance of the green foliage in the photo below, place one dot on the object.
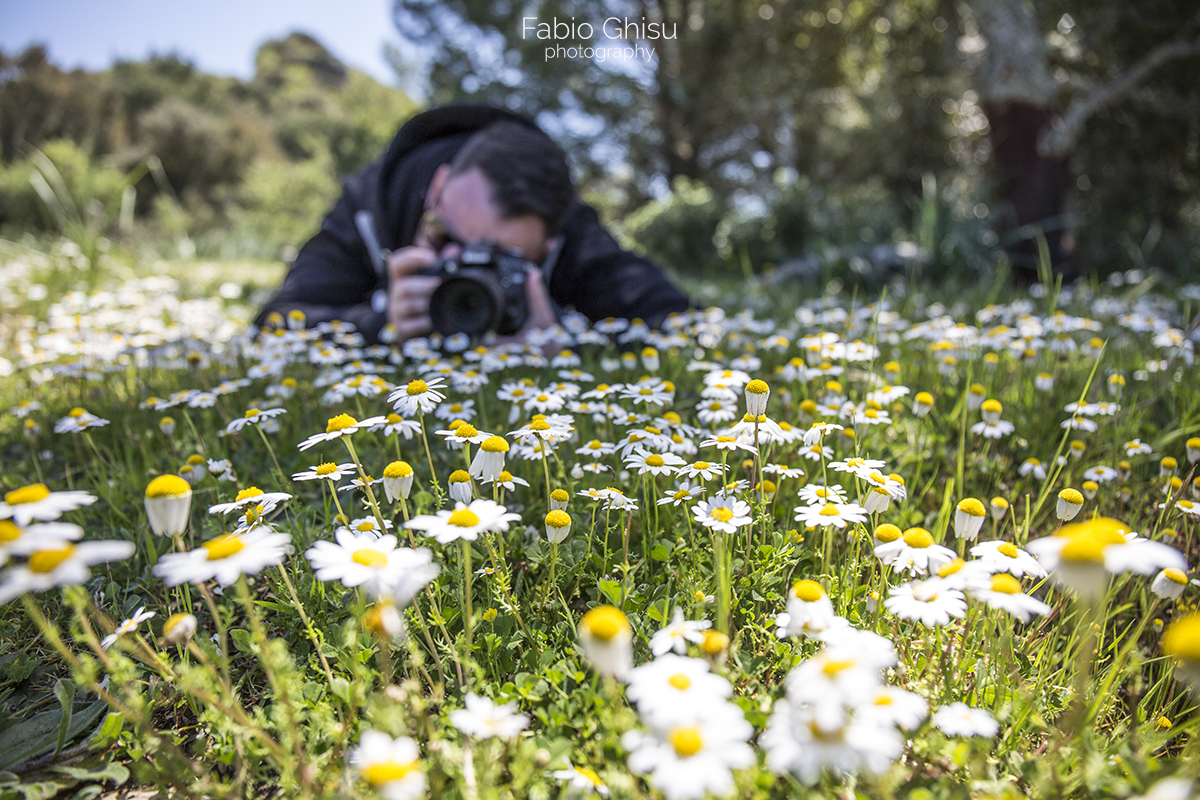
(223, 148)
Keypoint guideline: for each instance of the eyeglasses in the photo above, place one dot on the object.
(435, 231)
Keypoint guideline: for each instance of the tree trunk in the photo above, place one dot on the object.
(1031, 184)
(1018, 93)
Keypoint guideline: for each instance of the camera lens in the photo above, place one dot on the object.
(470, 302)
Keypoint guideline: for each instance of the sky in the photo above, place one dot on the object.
(219, 36)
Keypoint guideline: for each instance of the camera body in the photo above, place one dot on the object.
(482, 289)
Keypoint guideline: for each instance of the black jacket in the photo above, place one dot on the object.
(332, 278)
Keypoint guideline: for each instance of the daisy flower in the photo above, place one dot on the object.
(676, 635)
(673, 690)
(336, 427)
(78, 420)
(250, 497)
(463, 433)
(389, 765)
(394, 424)
(225, 558)
(814, 434)
(809, 611)
(969, 517)
(929, 602)
(168, 503)
(465, 521)
(959, 719)
(687, 762)
(418, 397)
(858, 466)
(37, 502)
(891, 705)
(253, 416)
(837, 514)
(616, 500)
(325, 471)
(1006, 557)
(127, 626)
(816, 494)
(726, 442)
(804, 740)
(915, 551)
(653, 463)
(683, 493)
(783, 471)
(1081, 555)
(581, 778)
(60, 563)
(542, 429)
(507, 481)
(724, 514)
(484, 719)
(607, 640)
(596, 449)
(1136, 447)
(1005, 593)
(1169, 584)
(21, 540)
(1031, 466)
(459, 409)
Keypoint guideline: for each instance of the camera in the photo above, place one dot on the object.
(482, 289)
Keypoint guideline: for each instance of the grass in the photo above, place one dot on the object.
(287, 672)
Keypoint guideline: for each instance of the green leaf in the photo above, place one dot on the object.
(116, 773)
(65, 692)
(611, 590)
(659, 553)
(40, 734)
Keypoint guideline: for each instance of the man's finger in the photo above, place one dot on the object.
(541, 312)
(408, 260)
(416, 326)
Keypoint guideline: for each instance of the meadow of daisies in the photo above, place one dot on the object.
(860, 548)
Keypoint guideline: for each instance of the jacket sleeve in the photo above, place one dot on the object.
(601, 280)
(332, 277)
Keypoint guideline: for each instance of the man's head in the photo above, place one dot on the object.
(510, 184)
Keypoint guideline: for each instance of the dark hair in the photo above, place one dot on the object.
(528, 172)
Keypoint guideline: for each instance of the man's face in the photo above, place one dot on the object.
(462, 204)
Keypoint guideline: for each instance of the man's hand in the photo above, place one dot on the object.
(408, 294)
(541, 312)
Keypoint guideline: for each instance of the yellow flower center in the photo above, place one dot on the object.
(387, 771)
(972, 506)
(887, 532)
(808, 591)
(655, 460)
(1071, 496)
(397, 469)
(245, 494)
(722, 514)
(326, 469)
(417, 387)
(686, 741)
(32, 493)
(680, 681)
(369, 558)
(558, 519)
(464, 518)
(604, 622)
(918, 538)
(1182, 638)
(832, 668)
(829, 510)
(949, 569)
(1175, 576)
(252, 413)
(460, 476)
(492, 444)
(167, 486)
(223, 546)
(539, 425)
(76, 413)
(340, 423)
(9, 532)
(1007, 549)
(45, 561)
(1006, 584)
(504, 477)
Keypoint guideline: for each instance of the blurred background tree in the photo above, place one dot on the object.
(763, 135)
(1074, 119)
(235, 167)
